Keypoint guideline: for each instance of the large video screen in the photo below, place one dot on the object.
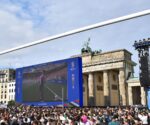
(53, 83)
(45, 83)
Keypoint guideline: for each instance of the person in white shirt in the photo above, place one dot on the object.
(144, 118)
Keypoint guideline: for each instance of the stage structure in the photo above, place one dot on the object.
(53, 83)
(143, 53)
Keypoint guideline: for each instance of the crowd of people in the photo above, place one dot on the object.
(31, 115)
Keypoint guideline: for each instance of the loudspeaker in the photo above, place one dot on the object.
(144, 71)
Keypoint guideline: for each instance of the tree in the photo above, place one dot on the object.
(11, 103)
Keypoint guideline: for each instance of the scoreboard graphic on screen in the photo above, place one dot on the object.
(54, 83)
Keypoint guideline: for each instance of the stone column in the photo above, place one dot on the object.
(143, 96)
(91, 89)
(122, 88)
(106, 88)
(130, 95)
(85, 94)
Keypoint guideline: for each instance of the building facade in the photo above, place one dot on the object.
(136, 93)
(107, 79)
(7, 85)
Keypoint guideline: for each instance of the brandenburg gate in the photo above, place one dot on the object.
(105, 78)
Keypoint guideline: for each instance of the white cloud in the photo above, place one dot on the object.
(16, 31)
(23, 21)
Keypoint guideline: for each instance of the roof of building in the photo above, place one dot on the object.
(85, 54)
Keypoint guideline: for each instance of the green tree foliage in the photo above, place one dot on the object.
(11, 103)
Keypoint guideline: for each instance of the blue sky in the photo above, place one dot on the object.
(23, 21)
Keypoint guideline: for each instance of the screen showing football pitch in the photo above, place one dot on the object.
(53, 83)
(45, 83)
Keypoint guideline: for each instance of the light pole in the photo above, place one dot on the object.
(62, 97)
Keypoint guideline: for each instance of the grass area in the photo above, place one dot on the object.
(31, 92)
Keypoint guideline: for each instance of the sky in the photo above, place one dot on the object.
(24, 21)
